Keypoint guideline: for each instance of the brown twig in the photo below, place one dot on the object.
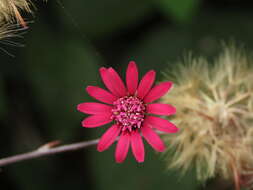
(46, 152)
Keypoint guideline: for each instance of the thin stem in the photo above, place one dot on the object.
(49, 149)
(46, 151)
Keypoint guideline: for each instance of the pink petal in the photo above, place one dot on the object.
(108, 81)
(132, 77)
(96, 120)
(108, 138)
(152, 138)
(161, 109)
(160, 124)
(117, 82)
(94, 108)
(137, 146)
(158, 91)
(146, 84)
(122, 148)
(101, 94)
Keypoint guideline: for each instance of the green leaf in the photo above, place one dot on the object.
(180, 10)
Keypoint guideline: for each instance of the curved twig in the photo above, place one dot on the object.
(46, 150)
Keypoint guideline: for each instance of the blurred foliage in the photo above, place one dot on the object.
(59, 77)
(106, 15)
(65, 47)
(149, 175)
(180, 10)
(2, 99)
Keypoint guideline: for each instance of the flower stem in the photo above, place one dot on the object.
(46, 150)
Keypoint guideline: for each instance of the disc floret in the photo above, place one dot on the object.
(128, 112)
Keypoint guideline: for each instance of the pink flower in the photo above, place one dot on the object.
(131, 111)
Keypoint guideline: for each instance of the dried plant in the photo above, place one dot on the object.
(8, 30)
(10, 9)
(10, 14)
(215, 116)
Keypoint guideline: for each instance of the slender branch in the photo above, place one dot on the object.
(49, 149)
(46, 151)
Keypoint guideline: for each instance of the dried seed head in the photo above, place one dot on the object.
(9, 10)
(215, 113)
(7, 30)
(11, 21)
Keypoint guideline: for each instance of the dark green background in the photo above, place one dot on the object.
(65, 45)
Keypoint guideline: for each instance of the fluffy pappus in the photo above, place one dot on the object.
(214, 104)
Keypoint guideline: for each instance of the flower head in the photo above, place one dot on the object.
(131, 110)
(215, 111)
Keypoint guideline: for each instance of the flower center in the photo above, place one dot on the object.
(128, 112)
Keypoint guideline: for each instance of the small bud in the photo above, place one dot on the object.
(49, 145)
